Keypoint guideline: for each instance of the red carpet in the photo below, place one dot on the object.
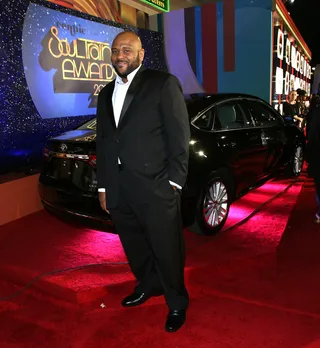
(253, 285)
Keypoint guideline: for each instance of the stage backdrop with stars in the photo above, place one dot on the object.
(54, 63)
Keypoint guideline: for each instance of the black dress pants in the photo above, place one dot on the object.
(149, 225)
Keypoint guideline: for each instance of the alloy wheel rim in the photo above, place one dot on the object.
(215, 204)
(298, 160)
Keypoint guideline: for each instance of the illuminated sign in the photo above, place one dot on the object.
(280, 44)
(67, 61)
(162, 5)
(81, 65)
(291, 70)
(288, 51)
(287, 83)
(279, 80)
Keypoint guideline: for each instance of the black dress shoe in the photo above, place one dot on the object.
(137, 299)
(175, 320)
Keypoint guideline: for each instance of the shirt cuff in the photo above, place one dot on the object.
(176, 185)
(101, 190)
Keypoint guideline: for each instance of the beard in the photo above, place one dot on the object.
(130, 67)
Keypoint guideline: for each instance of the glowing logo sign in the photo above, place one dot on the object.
(67, 61)
(162, 5)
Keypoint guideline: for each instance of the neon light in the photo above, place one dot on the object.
(293, 31)
(162, 5)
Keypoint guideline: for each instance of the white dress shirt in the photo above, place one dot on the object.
(119, 94)
(118, 97)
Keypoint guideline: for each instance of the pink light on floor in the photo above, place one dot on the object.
(257, 197)
(266, 226)
(100, 245)
(272, 187)
(238, 212)
(244, 206)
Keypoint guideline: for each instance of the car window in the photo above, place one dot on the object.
(230, 116)
(204, 121)
(195, 106)
(262, 116)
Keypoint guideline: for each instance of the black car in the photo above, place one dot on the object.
(236, 141)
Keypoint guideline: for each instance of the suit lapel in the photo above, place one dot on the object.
(109, 102)
(132, 91)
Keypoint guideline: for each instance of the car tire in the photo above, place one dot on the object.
(297, 161)
(212, 207)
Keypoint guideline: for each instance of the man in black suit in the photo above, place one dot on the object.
(142, 161)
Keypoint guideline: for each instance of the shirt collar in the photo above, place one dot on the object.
(129, 77)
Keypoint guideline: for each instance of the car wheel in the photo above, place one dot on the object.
(212, 208)
(297, 160)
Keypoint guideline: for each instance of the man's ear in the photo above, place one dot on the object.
(141, 55)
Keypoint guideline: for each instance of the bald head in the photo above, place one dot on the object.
(128, 36)
(127, 53)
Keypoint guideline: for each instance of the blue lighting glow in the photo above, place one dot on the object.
(29, 116)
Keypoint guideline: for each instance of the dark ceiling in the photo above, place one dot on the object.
(306, 14)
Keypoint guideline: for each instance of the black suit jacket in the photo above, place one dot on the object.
(152, 137)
